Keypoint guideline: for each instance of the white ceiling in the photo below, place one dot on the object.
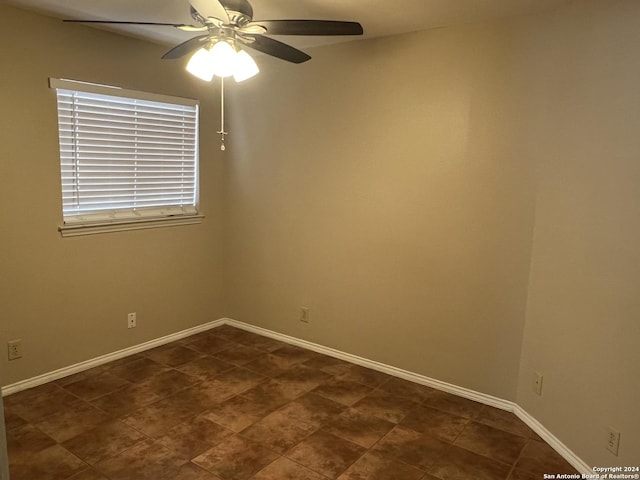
(378, 17)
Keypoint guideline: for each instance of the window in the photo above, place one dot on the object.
(128, 159)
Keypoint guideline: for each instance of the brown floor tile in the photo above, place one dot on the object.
(236, 413)
(404, 388)
(89, 474)
(174, 356)
(278, 432)
(438, 424)
(72, 421)
(195, 337)
(235, 459)
(190, 471)
(372, 466)
(294, 354)
(104, 441)
(232, 382)
(123, 360)
(12, 420)
(411, 447)
(138, 395)
(127, 400)
(539, 458)
(26, 440)
(330, 365)
(453, 404)
(34, 406)
(76, 377)
(366, 376)
(225, 330)
(491, 442)
(285, 469)
(210, 344)
(269, 365)
(364, 430)
(273, 393)
(191, 438)
(521, 475)
(205, 368)
(460, 464)
(264, 344)
(138, 370)
(167, 383)
(146, 460)
(504, 420)
(155, 419)
(235, 334)
(312, 409)
(96, 386)
(52, 463)
(238, 355)
(326, 454)
(304, 377)
(344, 391)
(386, 406)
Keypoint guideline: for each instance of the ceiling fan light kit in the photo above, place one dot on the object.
(227, 23)
(222, 60)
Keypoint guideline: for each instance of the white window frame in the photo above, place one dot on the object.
(130, 218)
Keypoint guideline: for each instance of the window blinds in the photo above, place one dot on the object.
(125, 154)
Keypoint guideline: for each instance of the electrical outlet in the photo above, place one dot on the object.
(613, 440)
(15, 349)
(537, 383)
(304, 314)
(131, 320)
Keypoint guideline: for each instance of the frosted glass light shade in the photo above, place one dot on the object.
(245, 67)
(201, 65)
(223, 57)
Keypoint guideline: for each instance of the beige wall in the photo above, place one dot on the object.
(380, 186)
(583, 317)
(68, 299)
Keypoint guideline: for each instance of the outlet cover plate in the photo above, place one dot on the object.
(537, 383)
(613, 440)
(15, 349)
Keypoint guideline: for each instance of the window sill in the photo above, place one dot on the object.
(126, 225)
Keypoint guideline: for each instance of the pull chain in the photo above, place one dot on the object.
(221, 131)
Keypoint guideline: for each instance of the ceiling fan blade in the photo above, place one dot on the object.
(177, 25)
(275, 48)
(309, 27)
(241, 6)
(191, 28)
(186, 47)
(210, 8)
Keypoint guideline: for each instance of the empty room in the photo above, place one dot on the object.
(314, 240)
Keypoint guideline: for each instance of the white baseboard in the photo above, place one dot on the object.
(110, 357)
(483, 398)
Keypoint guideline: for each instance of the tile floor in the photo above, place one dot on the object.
(231, 405)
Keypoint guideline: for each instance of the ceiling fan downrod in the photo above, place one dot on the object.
(222, 132)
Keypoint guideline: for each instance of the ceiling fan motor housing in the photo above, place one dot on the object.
(240, 11)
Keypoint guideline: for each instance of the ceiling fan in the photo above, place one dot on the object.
(226, 27)
(232, 21)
